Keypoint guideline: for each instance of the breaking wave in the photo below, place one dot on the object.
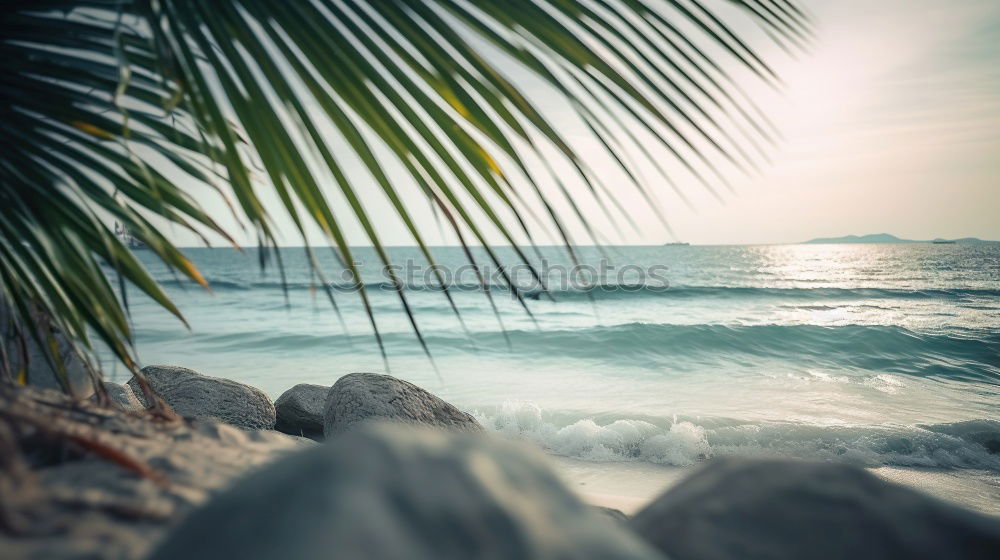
(960, 445)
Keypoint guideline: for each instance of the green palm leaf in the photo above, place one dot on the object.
(235, 95)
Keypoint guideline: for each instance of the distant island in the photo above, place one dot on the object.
(889, 238)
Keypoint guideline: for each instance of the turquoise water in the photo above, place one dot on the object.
(871, 354)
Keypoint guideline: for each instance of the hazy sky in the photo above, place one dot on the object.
(891, 123)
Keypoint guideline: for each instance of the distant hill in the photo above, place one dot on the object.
(870, 238)
(889, 238)
(973, 241)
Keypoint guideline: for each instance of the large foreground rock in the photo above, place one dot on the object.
(194, 395)
(770, 509)
(300, 410)
(359, 397)
(391, 491)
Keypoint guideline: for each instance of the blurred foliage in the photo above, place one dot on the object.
(112, 110)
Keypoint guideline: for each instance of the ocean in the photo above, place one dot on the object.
(646, 360)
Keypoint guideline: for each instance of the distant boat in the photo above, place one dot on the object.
(127, 238)
(676, 244)
(943, 242)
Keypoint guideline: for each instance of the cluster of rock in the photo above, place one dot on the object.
(305, 410)
(315, 411)
(427, 483)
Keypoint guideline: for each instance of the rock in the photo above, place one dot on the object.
(357, 397)
(750, 509)
(409, 492)
(194, 395)
(123, 395)
(300, 411)
(612, 513)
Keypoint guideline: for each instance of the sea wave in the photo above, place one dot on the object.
(612, 291)
(960, 445)
(956, 354)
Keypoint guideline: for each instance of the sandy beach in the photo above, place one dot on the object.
(631, 486)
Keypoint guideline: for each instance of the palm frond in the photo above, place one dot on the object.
(114, 109)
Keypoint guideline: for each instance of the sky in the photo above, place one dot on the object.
(890, 123)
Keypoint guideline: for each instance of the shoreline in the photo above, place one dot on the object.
(630, 486)
(224, 441)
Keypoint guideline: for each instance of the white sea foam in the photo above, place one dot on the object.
(683, 443)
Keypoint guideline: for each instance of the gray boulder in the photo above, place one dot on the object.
(757, 509)
(123, 396)
(358, 397)
(194, 395)
(300, 411)
(616, 515)
(392, 491)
